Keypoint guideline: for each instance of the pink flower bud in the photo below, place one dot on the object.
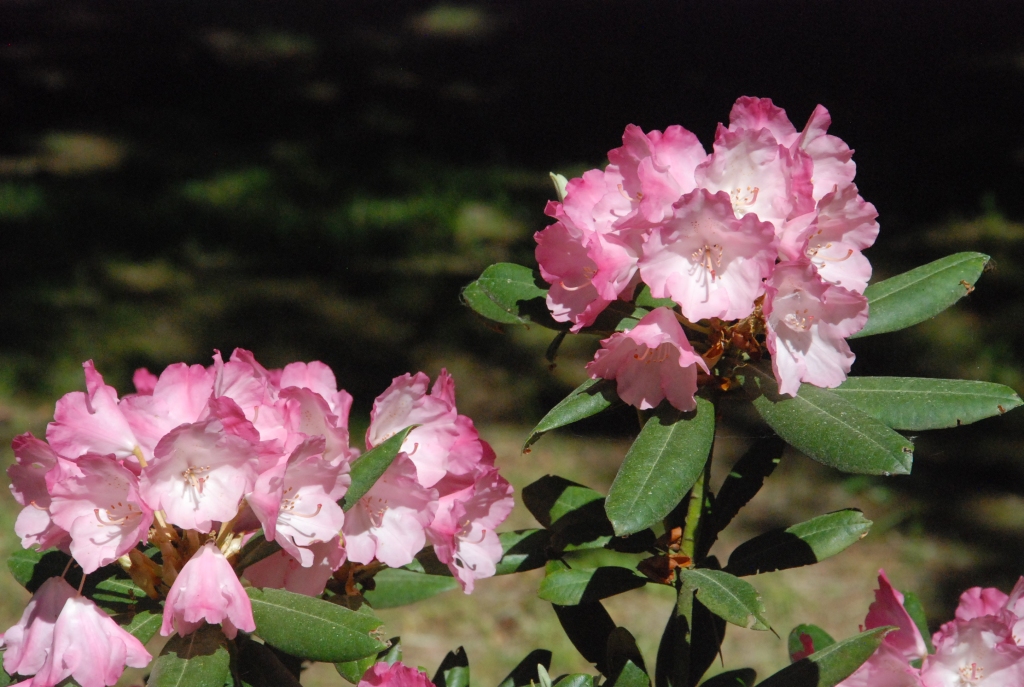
(207, 589)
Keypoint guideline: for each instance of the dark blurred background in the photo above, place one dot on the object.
(318, 180)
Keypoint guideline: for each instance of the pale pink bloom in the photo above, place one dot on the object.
(760, 113)
(887, 667)
(464, 529)
(833, 236)
(564, 261)
(976, 602)
(395, 675)
(243, 380)
(888, 609)
(389, 522)
(179, 396)
(469, 452)
(199, 474)
(808, 322)
(33, 459)
(308, 413)
(657, 168)
(297, 500)
(708, 261)
(405, 403)
(63, 635)
(144, 381)
(832, 158)
(1015, 606)
(207, 589)
(96, 499)
(92, 422)
(759, 176)
(651, 362)
(980, 651)
(282, 571)
(597, 202)
(318, 378)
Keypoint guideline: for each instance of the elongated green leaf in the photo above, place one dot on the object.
(586, 400)
(552, 498)
(313, 629)
(396, 587)
(915, 609)
(829, 666)
(744, 677)
(255, 550)
(31, 568)
(368, 468)
(575, 680)
(646, 300)
(560, 183)
(453, 671)
(802, 544)
(804, 640)
(353, 670)
(830, 429)
(260, 667)
(914, 403)
(197, 660)
(142, 625)
(498, 292)
(580, 585)
(526, 674)
(921, 293)
(631, 675)
(588, 627)
(660, 467)
(622, 649)
(727, 596)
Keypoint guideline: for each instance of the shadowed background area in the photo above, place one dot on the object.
(318, 180)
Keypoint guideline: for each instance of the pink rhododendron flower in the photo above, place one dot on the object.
(808, 322)
(396, 675)
(566, 264)
(207, 589)
(980, 651)
(976, 602)
(63, 635)
(887, 667)
(96, 500)
(832, 158)
(281, 570)
(33, 459)
(464, 529)
(888, 609)
(761, 113)
(199, 474)
(651, 362)
(179, 396)
(389, 523)
(708, 261)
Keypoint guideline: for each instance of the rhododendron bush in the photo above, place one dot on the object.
(227, 507)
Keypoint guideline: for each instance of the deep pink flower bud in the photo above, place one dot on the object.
(651, 362)
(888, 610)
(396, 675)
(63, 635)
(207, 589)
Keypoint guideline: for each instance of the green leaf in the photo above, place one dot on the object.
(829, 666)
(560, 183)
(914, 403)
(579, 585)
(921, 293)
(830, 429)
(142, 624)
(586, 400)
(353, 670)
(31, 568)
(727, 596)
(453, 671)
(259, 666)
(255, 550)
(915, 609)
(199, 659)
(525, 674)
(499, 290)
(396, 587)
(646, 300)
(622, 649)
(804, 640)
(552, 498)
(660, 467)
(802, 544)
(631, 675)
(588, 627)
(744, 677)
(368, 468)
(311, 628)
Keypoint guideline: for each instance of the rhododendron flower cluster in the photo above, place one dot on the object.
(982, 645)
(762, 239)
(198, 460)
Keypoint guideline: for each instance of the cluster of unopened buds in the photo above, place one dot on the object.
(982, 645)
(198, 461)
(758, 243)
